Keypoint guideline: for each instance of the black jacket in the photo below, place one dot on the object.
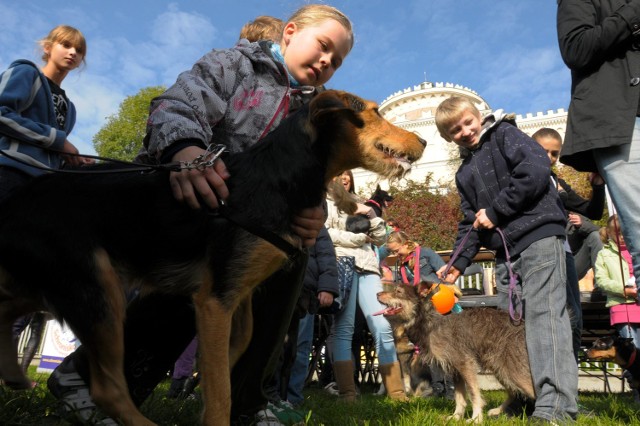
(508, 175)
(322, 272)
(596, 43)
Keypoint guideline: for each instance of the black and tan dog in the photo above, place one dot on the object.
(463, 344)
(379, 200)
(71, 245)
(620, 350)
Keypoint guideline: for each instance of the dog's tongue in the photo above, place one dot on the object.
(388, 311)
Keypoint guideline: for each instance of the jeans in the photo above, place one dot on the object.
(620, 168)
(574, 305)
(629, 330)
(541, 285)
(585, 257)
(301, 364)
(364, 292)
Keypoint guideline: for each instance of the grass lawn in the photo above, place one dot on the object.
(38, 407)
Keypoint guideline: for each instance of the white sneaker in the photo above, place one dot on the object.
(69, 388)
(332, 388)
(267, 418)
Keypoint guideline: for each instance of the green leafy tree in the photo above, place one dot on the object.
(121, 137)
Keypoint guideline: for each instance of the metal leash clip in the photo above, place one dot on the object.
(207, 159)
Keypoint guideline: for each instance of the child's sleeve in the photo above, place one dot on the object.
(16, 85)
(189, 110)
(606, 279)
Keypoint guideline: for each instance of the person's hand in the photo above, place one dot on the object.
(482, 220)
(596, 179)
(73, 159)
(365, 210)
(451, 276)
(307, 224)
(186, 185)
(325, 298)
(575, 220)
(631, 292)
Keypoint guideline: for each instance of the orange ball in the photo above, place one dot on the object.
(443, 299)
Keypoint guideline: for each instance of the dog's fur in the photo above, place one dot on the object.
(620, 350)
(462, 344)
(72, 244)
(379, 200)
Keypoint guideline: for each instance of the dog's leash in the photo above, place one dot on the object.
(204, 160)
(514, 299)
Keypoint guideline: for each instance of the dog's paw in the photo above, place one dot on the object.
(455, 416)
(494, 412)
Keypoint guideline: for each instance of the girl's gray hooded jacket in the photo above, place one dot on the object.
(232, 97)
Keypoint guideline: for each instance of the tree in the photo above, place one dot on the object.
(121, 137)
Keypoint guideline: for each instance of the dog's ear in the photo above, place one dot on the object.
(329, 105)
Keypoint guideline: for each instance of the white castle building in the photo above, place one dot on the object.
(414, 109)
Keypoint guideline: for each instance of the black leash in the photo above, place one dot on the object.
(132, 167)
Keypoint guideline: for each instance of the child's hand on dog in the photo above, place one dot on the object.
(209, 183)
(482, 220)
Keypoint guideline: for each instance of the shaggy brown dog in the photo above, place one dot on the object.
(72, 245)
(463, 344)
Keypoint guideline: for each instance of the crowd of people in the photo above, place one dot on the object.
(511, 202)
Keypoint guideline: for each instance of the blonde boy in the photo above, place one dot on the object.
(504, 183)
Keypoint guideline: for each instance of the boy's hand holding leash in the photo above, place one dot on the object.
(482, 220)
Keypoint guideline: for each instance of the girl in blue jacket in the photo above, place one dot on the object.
(36, 116)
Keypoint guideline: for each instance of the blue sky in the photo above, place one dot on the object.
(505, 50)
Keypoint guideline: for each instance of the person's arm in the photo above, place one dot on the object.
(378, 231)
(327, 268)
(16, 85)
(470, 249)
(607, 276)
(181, 123)
(529, 171)
(586, 40)
(591, 208)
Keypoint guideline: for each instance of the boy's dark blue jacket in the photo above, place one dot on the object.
(509, 176)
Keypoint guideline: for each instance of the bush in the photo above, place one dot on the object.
(427, 214)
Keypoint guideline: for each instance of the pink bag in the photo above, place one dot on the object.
(624, 312)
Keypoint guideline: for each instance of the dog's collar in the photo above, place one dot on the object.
(258, 231)
(374, 202)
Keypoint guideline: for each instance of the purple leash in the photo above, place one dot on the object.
(514, 299)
